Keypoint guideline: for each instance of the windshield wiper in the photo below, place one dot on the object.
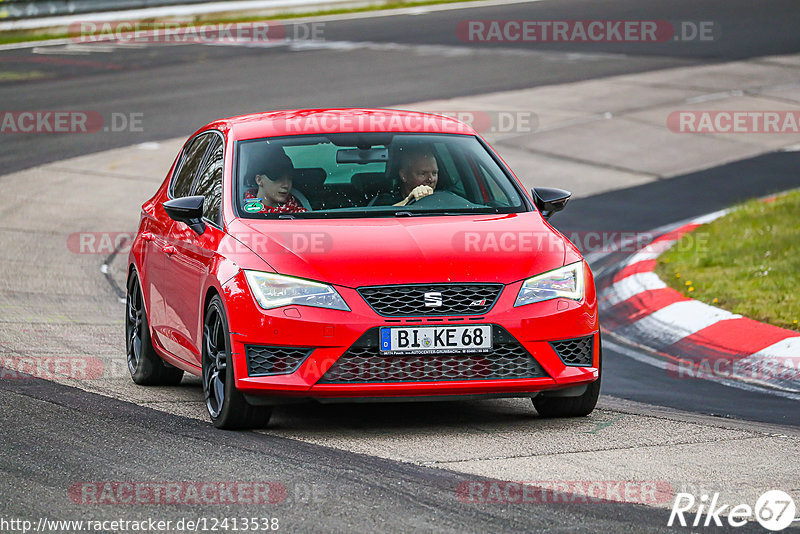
(286, 216)
(427, 213)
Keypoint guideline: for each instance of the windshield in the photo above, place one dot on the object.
(370, 175)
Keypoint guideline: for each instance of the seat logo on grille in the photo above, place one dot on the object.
(433, 299)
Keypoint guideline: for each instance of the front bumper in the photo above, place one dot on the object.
(318, 338)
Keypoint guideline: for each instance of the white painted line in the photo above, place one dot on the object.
(714, 96)
(630, 286)
(36, 44)
(705, 219)
(75, 49)
(676, 321)
(302, 45)
(667, 365)
(643, 256)
(651, 251)
(159, 12)
(59, 51)
(230, 6)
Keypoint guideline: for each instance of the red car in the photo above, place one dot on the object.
(353, 254)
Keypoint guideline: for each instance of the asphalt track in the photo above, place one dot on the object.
(180, 88)
(54, 435)
(643, 208)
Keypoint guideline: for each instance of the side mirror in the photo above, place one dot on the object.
(550, 200)
(187, 210)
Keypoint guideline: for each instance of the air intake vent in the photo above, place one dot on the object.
(264, 360)
(575, 352)
(364, 363)
(431, 299)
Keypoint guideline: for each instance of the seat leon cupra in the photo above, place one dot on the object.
(355, 254)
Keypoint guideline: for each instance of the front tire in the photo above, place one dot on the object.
(226, 405)
(145, 366)
(569, 406)
(579, 406)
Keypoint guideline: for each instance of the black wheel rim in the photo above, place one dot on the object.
(215, 359)
(133, 325)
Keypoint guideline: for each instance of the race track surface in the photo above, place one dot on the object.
(367, 467)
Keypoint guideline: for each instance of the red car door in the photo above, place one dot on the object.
(160, 280)
(188, 259)
(153, 235)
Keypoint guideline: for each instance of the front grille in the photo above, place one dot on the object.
(410, 300)
(575, 352)
(364, 363)
(266, 360)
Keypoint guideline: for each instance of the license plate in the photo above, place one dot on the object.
(436, 339)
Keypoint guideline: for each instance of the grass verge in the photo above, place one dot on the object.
(747, 262)
(44, 34)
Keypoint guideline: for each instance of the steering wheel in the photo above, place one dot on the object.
(443, 199)
(413, 199)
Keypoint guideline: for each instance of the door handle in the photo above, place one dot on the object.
(168, 250)
(147, 236)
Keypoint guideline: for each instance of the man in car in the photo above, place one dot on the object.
(274, 188)
(418, 175)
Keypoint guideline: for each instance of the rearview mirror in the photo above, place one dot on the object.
(187, 210)
(550, 200)
(362, 156)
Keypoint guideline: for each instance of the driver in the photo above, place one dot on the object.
(418, 173)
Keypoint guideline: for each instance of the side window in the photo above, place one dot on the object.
(209, 181)
(192, 158)
(446, 158)
(497, 194)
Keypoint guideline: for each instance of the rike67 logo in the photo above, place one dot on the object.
(774, 510)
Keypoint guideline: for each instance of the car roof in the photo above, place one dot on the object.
(347, 120)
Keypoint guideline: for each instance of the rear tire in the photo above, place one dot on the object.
(145, 365)
(579, 406)
(225, 404)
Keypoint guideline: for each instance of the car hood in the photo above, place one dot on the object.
(423, 249)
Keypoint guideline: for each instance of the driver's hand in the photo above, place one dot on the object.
(420, 191)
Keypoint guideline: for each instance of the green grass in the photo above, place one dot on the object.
(747, 262)
(21, 36)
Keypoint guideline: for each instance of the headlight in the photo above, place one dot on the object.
(565, 282)
(276, 290)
